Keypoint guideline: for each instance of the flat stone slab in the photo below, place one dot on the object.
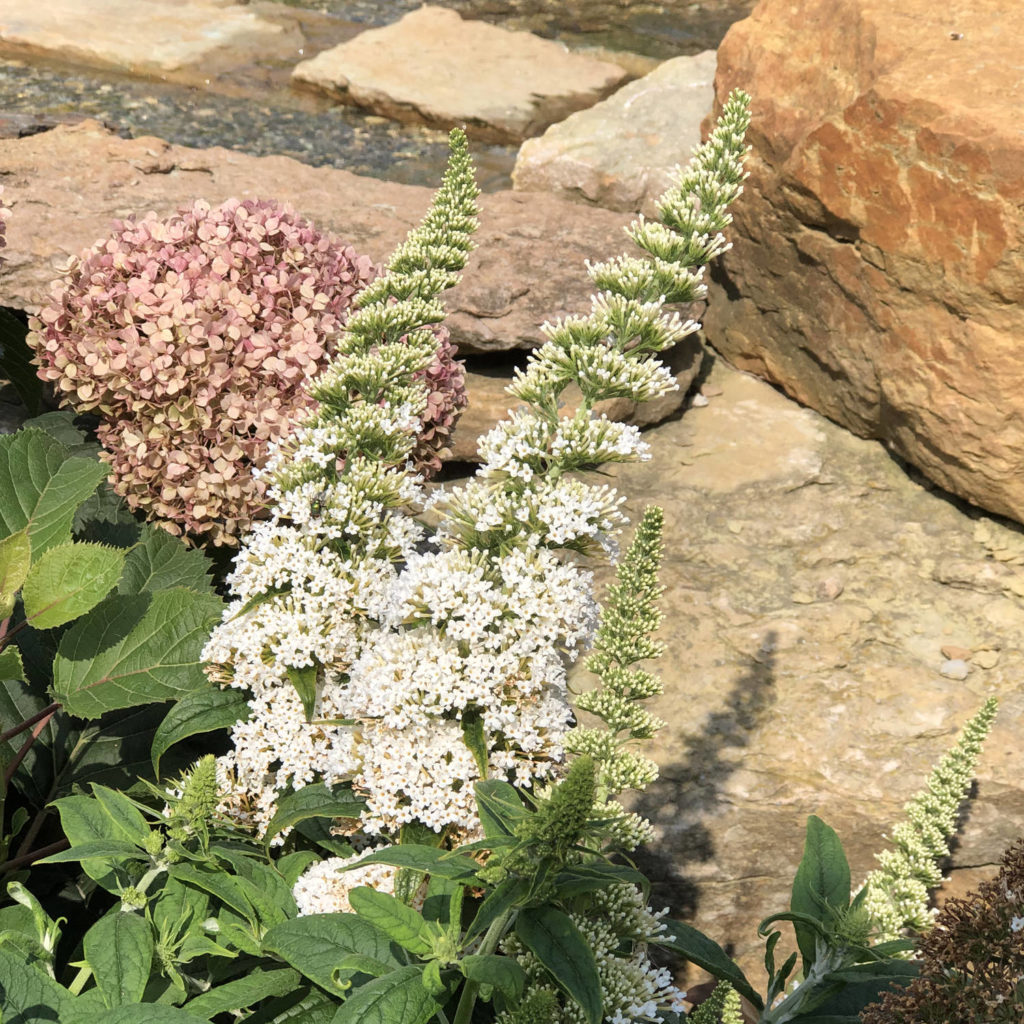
(65, 187)
(620, 153)
(434, 68)
(141, 37)
(813, 593)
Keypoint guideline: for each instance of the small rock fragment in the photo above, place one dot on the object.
(986, 659)
(699, 400)
(954, 668)
(954, 653)
(828, 589)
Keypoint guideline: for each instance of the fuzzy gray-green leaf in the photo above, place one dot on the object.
(119, 948)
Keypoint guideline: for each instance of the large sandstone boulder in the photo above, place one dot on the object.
(877, 273)
(620, 154)
(157, 38)
(434, 68)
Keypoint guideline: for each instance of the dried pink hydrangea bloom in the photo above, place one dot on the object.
(193, 338)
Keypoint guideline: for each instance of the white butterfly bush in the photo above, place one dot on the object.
(408, 661)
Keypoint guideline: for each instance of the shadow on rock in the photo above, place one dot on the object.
(690, 790)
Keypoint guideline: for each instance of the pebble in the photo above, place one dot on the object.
(954, 653)
(699, 400)
(828, 589)
(955, 668)
(986, 659)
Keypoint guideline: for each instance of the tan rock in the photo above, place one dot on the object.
(878, 267)
(836, 708)
(620, 153)
(434, 68)
(66, 186)
(158, 38)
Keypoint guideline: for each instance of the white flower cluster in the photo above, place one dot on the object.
(617, 926)
(324, 886)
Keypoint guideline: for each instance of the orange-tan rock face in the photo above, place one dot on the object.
(878, 267)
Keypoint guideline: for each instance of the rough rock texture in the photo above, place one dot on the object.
(433, 67)
(66, 186)
(878, 267)
(620, 153)
(811, 586)
(157, 38)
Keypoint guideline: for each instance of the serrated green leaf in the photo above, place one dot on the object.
(119, 948)
(317, 801)
(28, 995)
(502, 898)
(112, 658)
(160, 562)
(10, 664)
(500, 972)
(398, 996)
(243, 992)
(197, 713)
(686, 940)
(41, 486)
(556, 942)
(821, 886)
(474, 735)
(69, 580)
(317, 945)
(400, 923)
(220, 884)
(15, 563)
(60, 424)
(84, 822)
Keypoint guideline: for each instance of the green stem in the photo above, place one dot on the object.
(464, 1013)
(83, 975)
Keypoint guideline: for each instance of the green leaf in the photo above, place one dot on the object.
(428, 859)
(86, 823)
(499, 806)
(60, 424)
(97, 849)
(161, 562)
(196, 713)
(500, 972)
(69, 580)
(397, 997)
(360, 963)
(123, 812)
(113, 658)
(226, 888)
(474, 735)
(317, 801)
(41, 486)
(236, 995)
(687, 941)
(11, 666)
(138, 1013)
(502, 898)
(28, 995)
(304, 681)
(119, 948)
(821, 886)
(15, 562)
(317, 945)
(16, 359)
(556, 942)
(582, 878)
(399, 922)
